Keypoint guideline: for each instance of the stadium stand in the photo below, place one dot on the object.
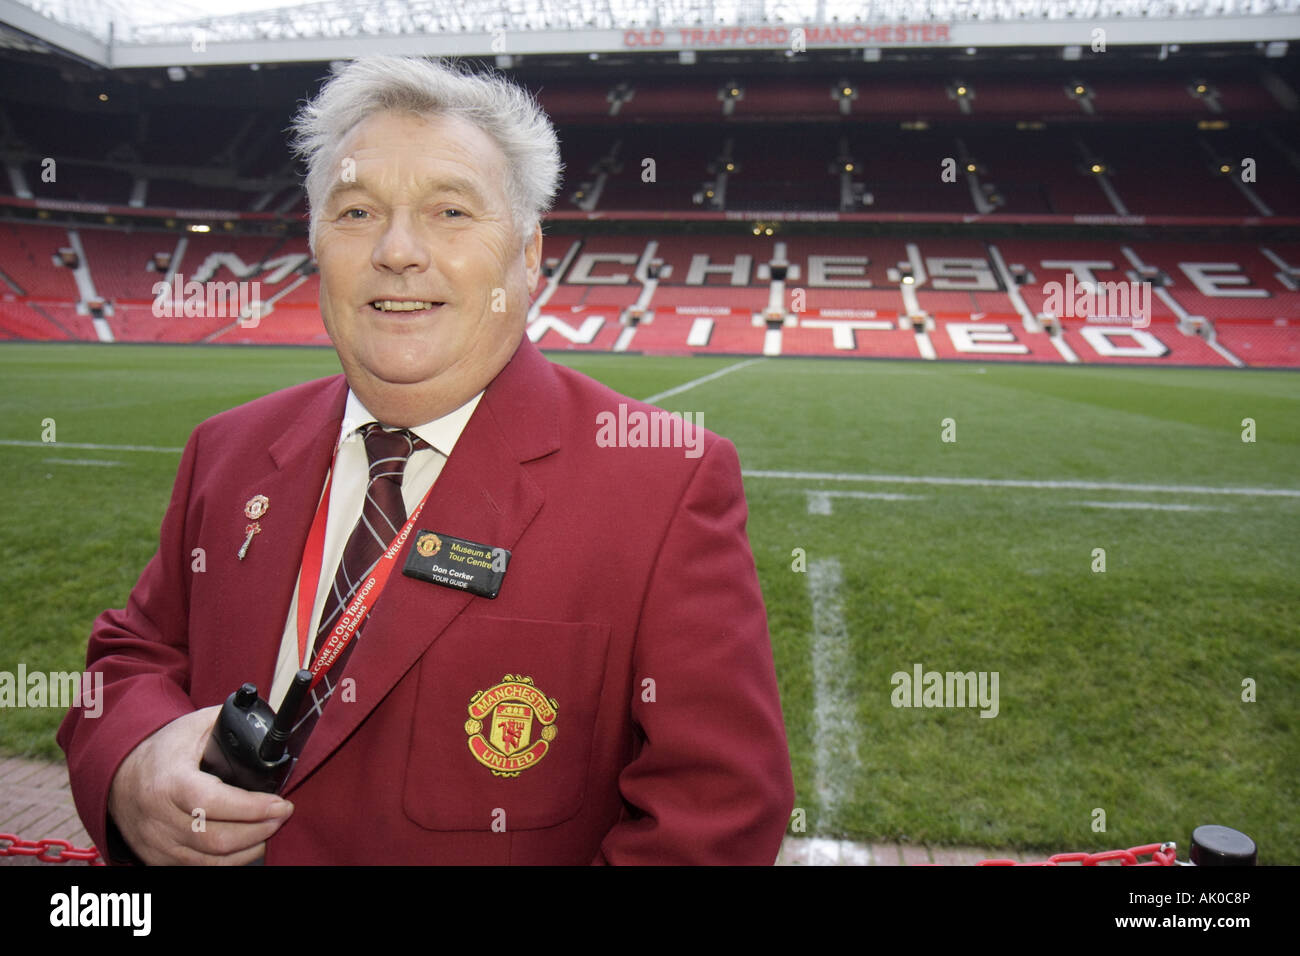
(21, 320)
(28, 255)
(832, 207)
(1238, 290)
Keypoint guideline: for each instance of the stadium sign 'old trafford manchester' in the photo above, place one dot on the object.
(854, 34)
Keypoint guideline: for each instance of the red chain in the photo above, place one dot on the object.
(1162, 854)
(47, 851)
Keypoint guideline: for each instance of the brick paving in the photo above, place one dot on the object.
(818, 851)
(36, 804)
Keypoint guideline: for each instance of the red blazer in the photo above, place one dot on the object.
(631, 601)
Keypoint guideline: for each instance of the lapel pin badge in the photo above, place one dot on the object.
(254, 508)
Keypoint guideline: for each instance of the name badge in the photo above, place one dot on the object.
(457, 563)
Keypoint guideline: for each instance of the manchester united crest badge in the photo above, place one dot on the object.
(519, 721)
(428, 544)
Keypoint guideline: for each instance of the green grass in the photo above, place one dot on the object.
(1119, 690)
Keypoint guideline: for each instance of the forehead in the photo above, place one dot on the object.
(394, 147)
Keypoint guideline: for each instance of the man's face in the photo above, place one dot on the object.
(425, 280)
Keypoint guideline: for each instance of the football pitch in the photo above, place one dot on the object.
(1090, 575)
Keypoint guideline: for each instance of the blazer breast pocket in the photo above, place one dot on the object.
(502, 734)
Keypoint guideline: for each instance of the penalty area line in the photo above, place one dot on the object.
(1023, 483)
(56, 445)
(1145, 506)
(687, 386)
(836, 752)
(96, 462)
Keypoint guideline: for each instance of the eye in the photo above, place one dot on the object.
(454, 213)
(349, 214)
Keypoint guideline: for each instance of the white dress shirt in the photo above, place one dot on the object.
(347, 495)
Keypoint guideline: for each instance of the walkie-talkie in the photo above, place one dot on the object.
(248, 746)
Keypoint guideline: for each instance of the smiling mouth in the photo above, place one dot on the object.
(402, 305)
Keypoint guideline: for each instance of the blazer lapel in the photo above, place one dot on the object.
(484, 494)
(291, 482)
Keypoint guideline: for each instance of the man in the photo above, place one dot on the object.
(614, 702)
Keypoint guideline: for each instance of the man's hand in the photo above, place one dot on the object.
(159, 786)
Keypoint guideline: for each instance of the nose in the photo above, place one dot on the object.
(403, 246)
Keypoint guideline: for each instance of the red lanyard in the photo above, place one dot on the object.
(363, 599)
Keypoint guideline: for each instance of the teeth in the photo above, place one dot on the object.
(389, 305)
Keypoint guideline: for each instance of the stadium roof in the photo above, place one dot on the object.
(137, 33)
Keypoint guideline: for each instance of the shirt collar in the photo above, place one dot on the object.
(441, 433)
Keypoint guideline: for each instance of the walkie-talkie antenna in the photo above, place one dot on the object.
(277, 739)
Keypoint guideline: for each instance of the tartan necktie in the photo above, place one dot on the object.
(382, 515)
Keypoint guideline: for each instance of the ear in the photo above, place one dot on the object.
(533, 258)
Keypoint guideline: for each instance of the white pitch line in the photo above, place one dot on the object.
(659, 396)
(55, 445)
(819, 502)
(1146, 506)
(835, 756)
(84, 461)
(1023, 483)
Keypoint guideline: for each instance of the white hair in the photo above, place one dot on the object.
(505, 112)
